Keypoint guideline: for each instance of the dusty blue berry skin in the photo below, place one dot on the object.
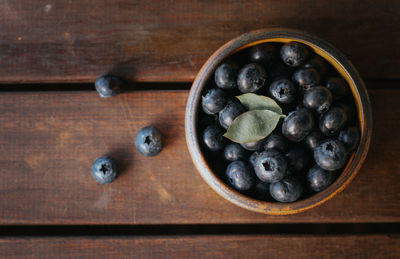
(276, 141)
(213, 101)
(337, 86)
(108, 85)
(263, 54)
(252, 77)
(318, 98)
(318, 64)
(213, 139)
(240, 176)
(298, 158)
(332, 121)
(306, 78)
(254, 146)
(270, 166)
(330, 155)
(234, 152)
(283, 91)
(229, 113)
(226, 74)
(319, 179)
(294, 54)
(104, 170)
(286, 190)
(313, 139)
(149, 141)
(252, 158)
(297, 125)
(350, 137)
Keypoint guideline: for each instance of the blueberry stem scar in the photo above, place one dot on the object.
(147, 140)
(104, 168)
(330, 147)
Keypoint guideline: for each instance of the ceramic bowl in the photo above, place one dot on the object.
(332, 56)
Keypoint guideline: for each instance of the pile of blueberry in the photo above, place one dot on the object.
(306, 151)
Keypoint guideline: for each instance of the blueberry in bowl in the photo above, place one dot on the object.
(289, 121)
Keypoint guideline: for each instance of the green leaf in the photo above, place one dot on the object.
(259, 102)
(252, 126)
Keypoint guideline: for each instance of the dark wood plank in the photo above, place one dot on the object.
(234, 246)
(48, 142)
(62, 40)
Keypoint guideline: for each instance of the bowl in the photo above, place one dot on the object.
(332, 56)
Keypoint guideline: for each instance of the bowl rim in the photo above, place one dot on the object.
(334, 57)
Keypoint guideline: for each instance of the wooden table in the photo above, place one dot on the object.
(53, 125)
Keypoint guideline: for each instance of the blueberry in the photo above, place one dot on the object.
(234, 151)
(330, 155)
(332, 121)
(225, 75)
(229, 113)
(318, 98)
(212, 137)
(270, 166)
(283, 91)
(252, 158)
(337, 86)
(297, 125)
(286, 190)
(104, 170)
(263, 54)
(254, 146)
(350, 137)
(260, 191)
(251, 78)
(149, 141)
(276, 141)
(318, 178)
(108, 85)
(213, 101)
(306, 78)
(240, 176)
(318, 64)
(298, 158)
(313, 139)
(294, 54)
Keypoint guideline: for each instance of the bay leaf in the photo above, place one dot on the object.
(259, 102)
(252, 126)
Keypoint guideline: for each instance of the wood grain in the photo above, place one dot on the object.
(234, 246)
(49, 140)
(75, 41)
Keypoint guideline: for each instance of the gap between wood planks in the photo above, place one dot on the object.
(372, 83)
(391, 229)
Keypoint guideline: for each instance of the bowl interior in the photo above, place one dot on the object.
(211, 167)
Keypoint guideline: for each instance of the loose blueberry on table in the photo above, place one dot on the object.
(149, 141)
(108, 85)
(104, 170)
(281, 122)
